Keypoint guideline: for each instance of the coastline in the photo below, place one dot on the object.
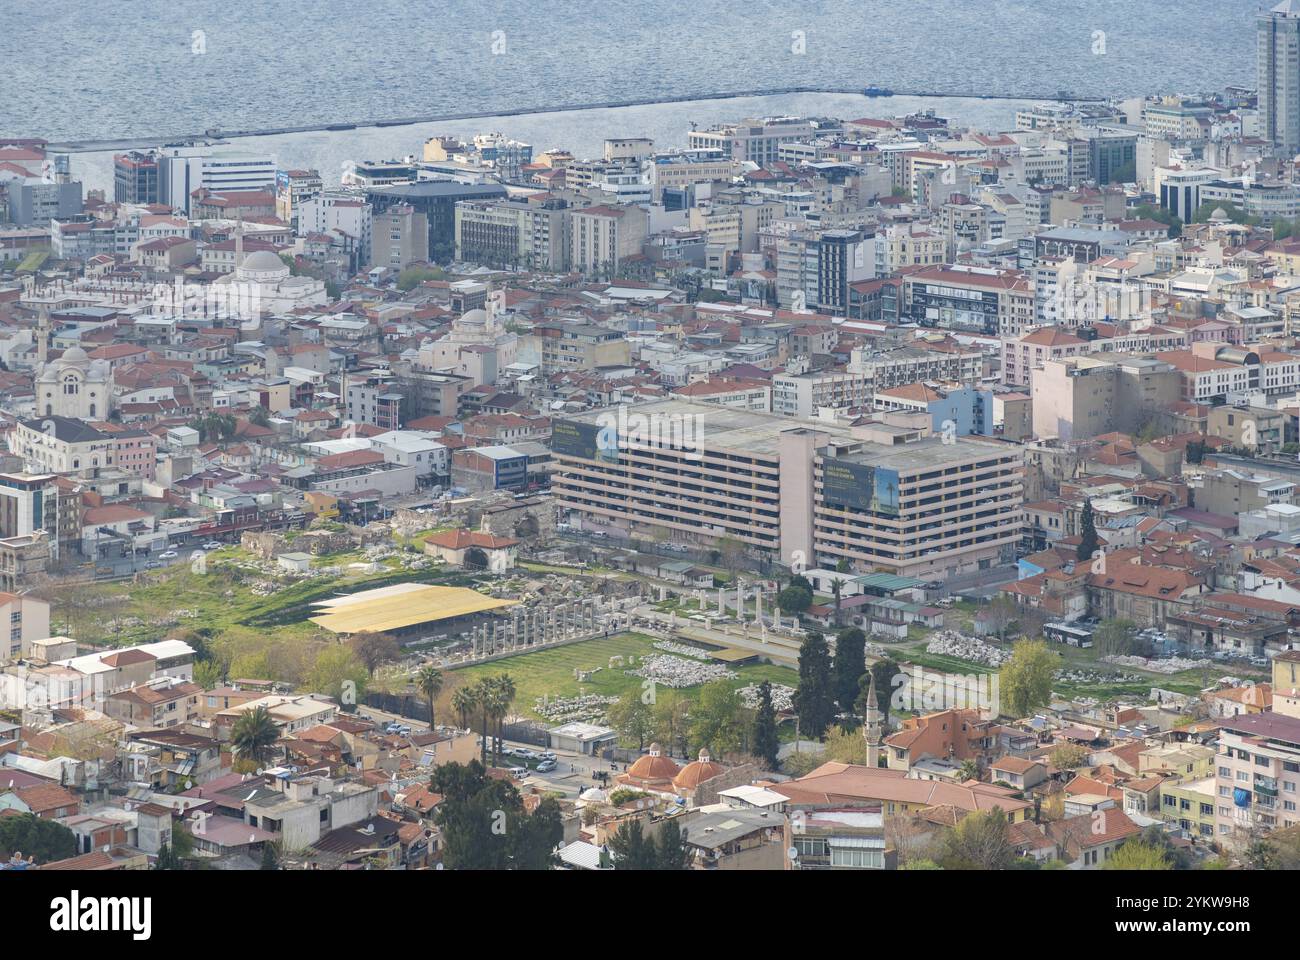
(583, 131)
(139, 143)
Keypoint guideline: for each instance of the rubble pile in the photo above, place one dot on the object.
(950, 643)
(678, 672)
(782, 696)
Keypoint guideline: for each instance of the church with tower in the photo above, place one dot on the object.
(73, 385)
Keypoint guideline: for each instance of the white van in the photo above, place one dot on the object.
(519, 772)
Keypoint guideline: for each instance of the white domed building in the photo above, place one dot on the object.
(264, 281)
(74, 386)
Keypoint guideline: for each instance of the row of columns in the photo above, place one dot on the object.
(532, 626)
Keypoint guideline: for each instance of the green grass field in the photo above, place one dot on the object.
(550, 672)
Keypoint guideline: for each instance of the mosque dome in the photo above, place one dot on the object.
(75, 355)
(653, 766)
(263, 261)
(697, 771)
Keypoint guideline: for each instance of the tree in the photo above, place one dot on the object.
(463, 702)
(492, 698)
(269, 859)
(718, 719)
(837, 588)
(252, 735)
(672, 711)
(430, 681)
(484, 824)
(633, 718)
(1120, 638)
(374, 649)
(44, 841)
(794, 600)
(731, 553)
(1088, 533)
(632, 849)
(969, 769)
(502, 697)
(978, 842)
(672, 852)
(814, 700)
(766, 741)
(1001, 614)
(338, 673)
(1025, 680)
(1138, 855)
(850, 665)
(1068, 756)
(207, 674)
(845, 746)
(166, 860)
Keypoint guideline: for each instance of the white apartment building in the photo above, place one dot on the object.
(182, 170)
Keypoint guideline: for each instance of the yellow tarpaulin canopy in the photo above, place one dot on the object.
(374, 611)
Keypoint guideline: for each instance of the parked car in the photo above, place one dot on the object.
(546, 766)
(548, 755)
(525, 754)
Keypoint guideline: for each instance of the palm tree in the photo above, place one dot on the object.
(429, 680)
(484, 697)
(463, 702)
(253, 734)
(504, 690)
(837, 588)
(968, 770)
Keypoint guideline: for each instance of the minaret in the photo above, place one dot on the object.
(239, 244)
(873, 730)
(43, 333)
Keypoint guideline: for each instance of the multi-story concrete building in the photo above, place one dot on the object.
(524, 233)
(346, 216)
(754, 139)
(292, 187)
(184, 170)
(1257, 775)
(803, 395)
(601, 236)
(28, 620)
(33, 201)
(1212, 370)
(788, 493)
(399, 236)
(1079, 397)
(701, 474)
(927, 508)
(561, 347)
(135, 178)
(437, 200)
(1277, 65)
(969, 299)
(674, 171)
